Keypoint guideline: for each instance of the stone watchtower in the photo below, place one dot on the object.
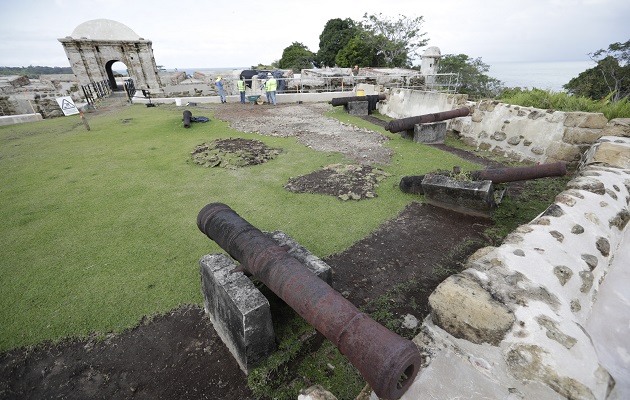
(96, 45)
(429, 67)
(430, 60)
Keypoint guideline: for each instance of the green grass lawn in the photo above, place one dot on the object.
(98, 228)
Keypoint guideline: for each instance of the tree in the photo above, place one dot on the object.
(610, 77)
(297, 57)
(401, 39)
(473, 80)
(335, 36)
(360, 50)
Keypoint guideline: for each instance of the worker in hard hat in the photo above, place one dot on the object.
(241, 88)
(219, 83)
(270, 86)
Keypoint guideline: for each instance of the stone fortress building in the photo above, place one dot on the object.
(517, 322)
(94, 46)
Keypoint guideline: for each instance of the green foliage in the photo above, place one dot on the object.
(377, 41)
(537, 195)
(265, 67)
(34, 71)
(361, 50)
(609, 78)
(303, 358)
(588, 84)
(335, 36)
(472, 76)
(400, 39)
(297, 57)
(383, 308)
(566, 102)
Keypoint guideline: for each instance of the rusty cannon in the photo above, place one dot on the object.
(187, 118)
(343, 101)
(404, 124)
(413, 184)
(388, 362)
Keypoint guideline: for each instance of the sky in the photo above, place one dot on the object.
(242, 33)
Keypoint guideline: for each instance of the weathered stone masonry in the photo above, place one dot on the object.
(519, 133)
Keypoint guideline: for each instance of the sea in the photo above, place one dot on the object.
(526, 75)
(540, 75)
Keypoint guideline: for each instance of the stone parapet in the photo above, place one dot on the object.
(512, 324)
(19, 119)
(524, 134)
(530, 134)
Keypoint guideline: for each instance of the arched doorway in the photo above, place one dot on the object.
(114, 70)
(97, 45)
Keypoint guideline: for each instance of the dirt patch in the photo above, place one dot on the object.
(348, 182)
(306, 122)
(420, 244)
(179, 355)
(174, 356)
(233, 153)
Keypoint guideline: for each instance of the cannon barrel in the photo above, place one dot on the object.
(413, 184)
(186, 118)
(403, 124)
(343, 101)
(387, 361)
(502, 175)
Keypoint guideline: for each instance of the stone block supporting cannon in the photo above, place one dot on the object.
(413, 184)
(387, 361)
(358, 105)
(406, 124)
(238, 310)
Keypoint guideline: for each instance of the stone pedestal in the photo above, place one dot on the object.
(431, 133)
(467, 197)
(358, 108)
(238, 311)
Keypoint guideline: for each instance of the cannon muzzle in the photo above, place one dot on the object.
(404, 124)
(388, 362)
(187, 117)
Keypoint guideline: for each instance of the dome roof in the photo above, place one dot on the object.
(432, 51)
(104, 29)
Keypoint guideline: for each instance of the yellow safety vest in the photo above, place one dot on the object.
(271, 85)
(241, 85)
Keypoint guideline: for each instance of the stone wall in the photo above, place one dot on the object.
(27, 96)
(403, 103)
(6, 106)
(530, 134)
(520, 133)
(512, 324)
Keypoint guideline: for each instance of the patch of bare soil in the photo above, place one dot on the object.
(233, 153)
(174, 356)
(348, 182)
(179, 355)
(306, 122)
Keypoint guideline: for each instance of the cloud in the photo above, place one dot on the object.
(246, 32)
